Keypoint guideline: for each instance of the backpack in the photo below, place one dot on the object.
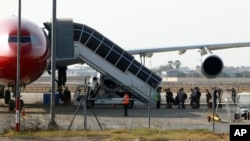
(185, 96)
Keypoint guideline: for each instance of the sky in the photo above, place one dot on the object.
(135, 24)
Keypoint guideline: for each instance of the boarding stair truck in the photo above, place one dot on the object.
(115, 64)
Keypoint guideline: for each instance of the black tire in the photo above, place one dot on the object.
(21, 104)
(209, 118)
(236, 116)
(131, 104)
(90, 104)
(7, 97)
(11, 105)
(245, 116)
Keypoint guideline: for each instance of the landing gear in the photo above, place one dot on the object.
(7, 97)
(12, 105)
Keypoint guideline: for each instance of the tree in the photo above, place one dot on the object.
(171, 64)
(177, 64)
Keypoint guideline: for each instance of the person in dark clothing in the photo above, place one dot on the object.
(169, 98)
(220, 93)
(180, 96)
(215, 98)
(208, 98)
(66, 96)
(234, 95)
(183, 100)
(198, 96)
(192, 98)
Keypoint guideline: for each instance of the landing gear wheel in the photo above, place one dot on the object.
(7, 97)
(21, 104)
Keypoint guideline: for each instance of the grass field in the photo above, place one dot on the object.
(139, 134)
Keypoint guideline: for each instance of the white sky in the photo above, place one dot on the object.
(134, 24)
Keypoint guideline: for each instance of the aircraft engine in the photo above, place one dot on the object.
(211, 65)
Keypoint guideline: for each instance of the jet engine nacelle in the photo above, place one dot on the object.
(211, 65)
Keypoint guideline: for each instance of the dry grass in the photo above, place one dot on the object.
(139, 134)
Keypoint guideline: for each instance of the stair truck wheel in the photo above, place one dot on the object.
(90, 103)
(131, 104)
(245, 116)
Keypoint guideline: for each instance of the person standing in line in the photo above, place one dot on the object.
(158, 97)
(208, 98)
(234, 95)
(180, 97)
(192, 98)
(169, 98)
(183, 99)
(220, 93)
(198, 96)
(214, 97)
(125, 102)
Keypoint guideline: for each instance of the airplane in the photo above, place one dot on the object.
(35, 55)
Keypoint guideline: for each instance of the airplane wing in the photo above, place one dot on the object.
(211, 65)
(182, 49)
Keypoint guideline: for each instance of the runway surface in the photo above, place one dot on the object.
(37, 116)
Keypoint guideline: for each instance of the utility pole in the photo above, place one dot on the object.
(18, 69)
(52, 124)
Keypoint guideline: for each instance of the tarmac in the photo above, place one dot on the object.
(36, 116)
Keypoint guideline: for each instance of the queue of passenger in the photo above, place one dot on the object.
(195, 95)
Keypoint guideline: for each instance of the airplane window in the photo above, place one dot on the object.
(12, 39)
(34, 40)
(24, 39)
